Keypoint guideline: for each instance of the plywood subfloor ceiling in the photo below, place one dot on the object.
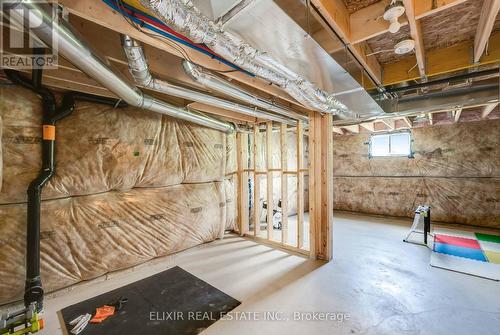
(440, 30)
(355, 5)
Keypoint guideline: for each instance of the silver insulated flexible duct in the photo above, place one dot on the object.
(71, 47)
(139, 70)
(220, 85)
(182, 16)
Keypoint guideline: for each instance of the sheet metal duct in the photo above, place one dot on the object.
(140, 71)
(266, 26)
(71, 47)
(439, 101)
(262, 24)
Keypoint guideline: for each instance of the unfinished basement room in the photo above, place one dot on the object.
(220, 167)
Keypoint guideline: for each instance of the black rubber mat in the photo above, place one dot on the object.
(171, 302)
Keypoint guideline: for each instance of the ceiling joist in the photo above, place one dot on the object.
(440, 61)
(390, 123)
(486, 22)
(407, 121)
(353, 129)
(98, 12)
(368, 22)
(416, 34)
(456, 114)
(487, 110)
(370, 126)
(337, 16)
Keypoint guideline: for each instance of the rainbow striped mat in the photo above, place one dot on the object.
(472, 253)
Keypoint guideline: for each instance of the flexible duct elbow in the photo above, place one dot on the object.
(139, 70)
(77, 52)
(222, 86)
(185, 18)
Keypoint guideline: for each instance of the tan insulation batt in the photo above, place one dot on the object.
(130, 185)
(456, 170)
(276, 164)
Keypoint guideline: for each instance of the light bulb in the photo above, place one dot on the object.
(394, 26)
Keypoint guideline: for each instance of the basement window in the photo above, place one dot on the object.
(390, 145)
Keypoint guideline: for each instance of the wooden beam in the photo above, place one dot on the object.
(425, 8)
(338, 130)
(324, 234)
(98, 12)
(488, 109)
(407, 121)
(63, 84)
(367, 22)
(256, 183)
(368, 126)
(337, 16)
(440, 61)
(300, 185)
(456, 114)
(389, 123)
(321, 185)
(235, 116)
(269, 179)
(277, 245)
(486, 22)
(284, 183)
(242, 159)
(353, 129)
(416, 34)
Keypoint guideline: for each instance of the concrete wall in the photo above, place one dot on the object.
(456, 170)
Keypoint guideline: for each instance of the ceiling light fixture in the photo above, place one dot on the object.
(405, 46)
(392, 12)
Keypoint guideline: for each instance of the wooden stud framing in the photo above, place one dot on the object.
(456, 114)
(98, 12)
(407, 121)
(367, 22)
(337, 16)
(353, 129)
(338, 130)
(443, 60)
(391, 125)
(321, 185)
(284, 183)
(256, 183)
(486, 22)
(300, 185)
(425, 8)
(269, 179)
(242, 159)
(416, 34)
(279, 245)
(488, 109)
(368, 126)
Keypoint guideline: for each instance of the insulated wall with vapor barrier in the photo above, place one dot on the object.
(455, 170)
(130, 185)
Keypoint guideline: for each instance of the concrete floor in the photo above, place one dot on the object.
(379, 284)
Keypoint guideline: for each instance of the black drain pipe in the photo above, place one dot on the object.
(51, 114)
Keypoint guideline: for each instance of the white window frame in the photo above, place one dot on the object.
(410, 142)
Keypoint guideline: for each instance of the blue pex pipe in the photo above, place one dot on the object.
(113, 4)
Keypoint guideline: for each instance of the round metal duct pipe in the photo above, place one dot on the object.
(76, 51)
